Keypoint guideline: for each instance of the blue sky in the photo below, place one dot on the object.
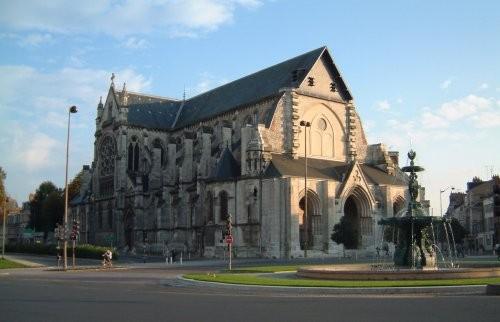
(424, 74)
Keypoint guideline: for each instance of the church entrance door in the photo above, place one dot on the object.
(305, 223)
(351, 224)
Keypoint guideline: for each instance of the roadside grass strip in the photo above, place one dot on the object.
(5, 263)
(269, 280)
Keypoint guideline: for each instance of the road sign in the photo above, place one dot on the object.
(229, 239)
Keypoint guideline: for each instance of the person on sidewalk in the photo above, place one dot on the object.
(107, 259)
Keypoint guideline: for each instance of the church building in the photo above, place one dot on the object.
(168, 173)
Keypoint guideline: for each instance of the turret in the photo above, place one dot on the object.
(100, 110)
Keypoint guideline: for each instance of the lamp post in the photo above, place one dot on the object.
(5, 201)
(71, 110)
(441, 199)
(306, 217)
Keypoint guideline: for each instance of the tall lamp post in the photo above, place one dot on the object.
(306, 217)
(441, 199)
(71, 110)
(5, 201)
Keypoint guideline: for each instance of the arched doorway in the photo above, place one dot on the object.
(128, 226)
(357, 223)
(351, 224)
(310, 223)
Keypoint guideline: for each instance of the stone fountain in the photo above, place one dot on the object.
(414, 246)
(414, 256)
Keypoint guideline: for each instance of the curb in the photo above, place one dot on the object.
(423, 290)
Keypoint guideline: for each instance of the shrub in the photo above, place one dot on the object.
(82, 251)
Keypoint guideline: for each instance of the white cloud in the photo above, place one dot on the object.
(135, 43)
(36, 40)
(34, 151)
(487, 119)
(206, 83)
(120, 18)
(383, 105)
(464, 107)
(483, 86)
(29, 40)
(446, 83)
(430, 120)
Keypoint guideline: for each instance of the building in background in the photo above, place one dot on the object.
(478, 210)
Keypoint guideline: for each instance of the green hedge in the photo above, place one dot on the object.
(82, 251)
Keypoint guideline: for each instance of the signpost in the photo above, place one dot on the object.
(74, 235)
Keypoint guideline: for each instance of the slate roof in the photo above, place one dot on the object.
(325, 169)
(377, 176)
(161, 113)
(227, 167)
(316, 168)
(158, 115)
(262, 84)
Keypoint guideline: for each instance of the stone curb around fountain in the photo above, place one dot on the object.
(313, 290)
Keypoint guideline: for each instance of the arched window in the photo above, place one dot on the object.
(133, 155)
(159, 152)
(110, 111)
(209, 204)
(223, 200)
(136, 157)
(107, 154)
(321, 138)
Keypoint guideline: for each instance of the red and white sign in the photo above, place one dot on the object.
(229, 239)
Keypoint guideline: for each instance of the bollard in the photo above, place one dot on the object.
(181, 259)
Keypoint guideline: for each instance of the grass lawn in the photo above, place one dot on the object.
(266, 269)
(5, 263)
(258, 279)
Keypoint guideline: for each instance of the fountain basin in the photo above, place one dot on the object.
(365, 272)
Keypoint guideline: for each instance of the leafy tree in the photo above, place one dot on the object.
(345, 233)
(45, 209)
(74, 186)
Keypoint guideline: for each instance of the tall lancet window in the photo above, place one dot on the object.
(321, 138)
(133, 156)
(107, 154)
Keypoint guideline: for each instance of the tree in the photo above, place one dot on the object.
(74, 186)
(344, 233)
(45, 207)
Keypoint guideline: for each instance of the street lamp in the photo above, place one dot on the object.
(441, 199)
(306, 217)
(5, 201)
(71, 110)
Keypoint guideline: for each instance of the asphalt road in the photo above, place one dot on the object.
(155, 294)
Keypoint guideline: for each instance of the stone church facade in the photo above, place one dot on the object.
(167, 173)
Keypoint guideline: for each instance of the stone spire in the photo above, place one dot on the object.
(100, 109)
(124, 94)
(113, 80)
